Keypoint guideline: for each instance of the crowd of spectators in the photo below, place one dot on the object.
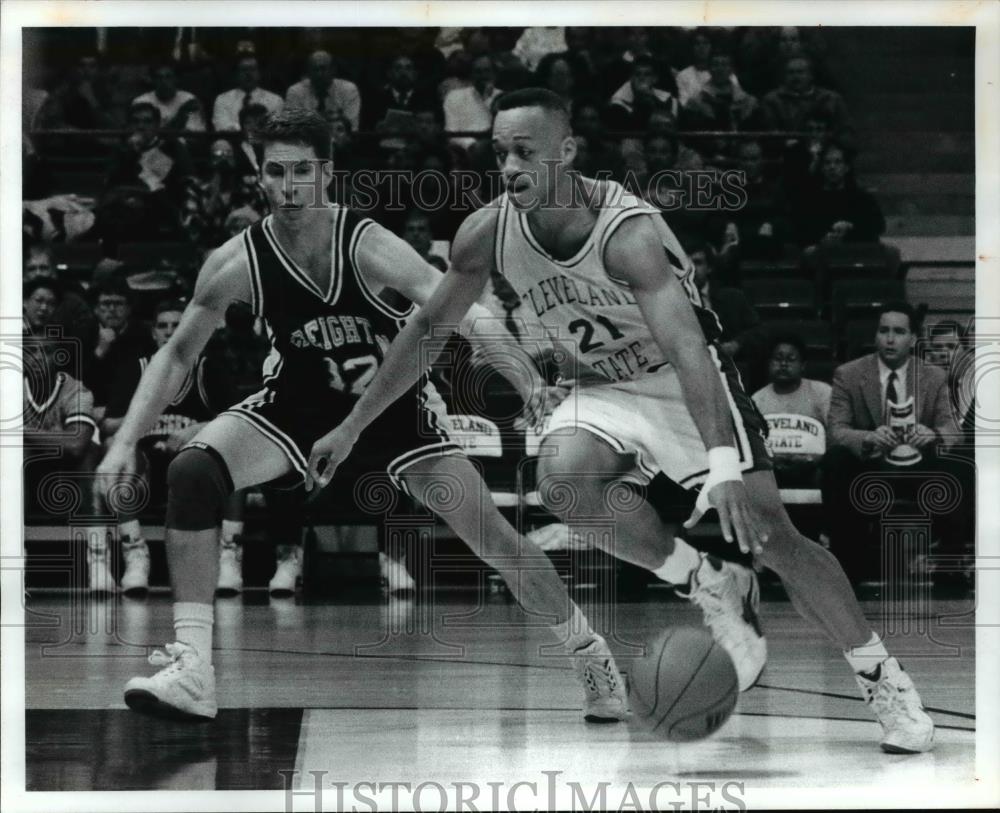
(170, 143)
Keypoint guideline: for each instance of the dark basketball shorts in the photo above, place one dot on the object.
(409, 431)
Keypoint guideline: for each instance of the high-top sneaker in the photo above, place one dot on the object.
(889, 692)
(605, 698)
(729, 598)
(184, 688)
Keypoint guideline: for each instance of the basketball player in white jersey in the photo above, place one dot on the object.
(652, 392)
(312, 270)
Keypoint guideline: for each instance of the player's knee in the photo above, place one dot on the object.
(562, 491)
(199, 484)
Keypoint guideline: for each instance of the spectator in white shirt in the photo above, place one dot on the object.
(469, 109)
(323, 93)
(693, 79)
(179, 110)
(226, 110)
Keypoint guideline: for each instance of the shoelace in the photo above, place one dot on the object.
(891, 698)
(171, 659)
(595, 674)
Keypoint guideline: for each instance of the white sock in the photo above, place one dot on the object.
(231, 528)
(131, 529)
(193, 623)
(866, 658)
(575, 631)
(680, 564)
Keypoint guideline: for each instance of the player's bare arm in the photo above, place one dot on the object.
(451, 299)
(635, 253)
(222, 280)
(389, 261)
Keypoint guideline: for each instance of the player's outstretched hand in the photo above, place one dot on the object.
(737, 515)
(119, 464)
(327, 454)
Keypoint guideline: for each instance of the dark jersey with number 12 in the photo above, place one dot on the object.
(326, 346)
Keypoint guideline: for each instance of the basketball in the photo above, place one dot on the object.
(685, 687)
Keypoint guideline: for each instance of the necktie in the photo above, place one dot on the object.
(247, 99)
(890, 390)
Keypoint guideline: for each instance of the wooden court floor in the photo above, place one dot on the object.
(446, 687)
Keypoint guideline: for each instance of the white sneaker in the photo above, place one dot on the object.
(183, 689)
(99, 576)
(135, 554)
(395, 577)
(289, 570)
(230, 568)
(892, 697)
(729, 598)
(605, 698)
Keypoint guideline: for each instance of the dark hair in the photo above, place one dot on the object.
(546, 62)
(253, 109)
(834, 144)
(41, 281)
(139, 107)
(899, 306)
(531, 97)
(297, 127)
(114, 286)
(794, 339)
(168, 305)
(644, 61)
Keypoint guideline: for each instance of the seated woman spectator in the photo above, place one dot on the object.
(796, 410)
(72, 312)
(835, 209)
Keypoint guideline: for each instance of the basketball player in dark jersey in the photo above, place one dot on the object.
(312, 271)
(664, 377)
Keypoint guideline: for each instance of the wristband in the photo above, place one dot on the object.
(723, 466)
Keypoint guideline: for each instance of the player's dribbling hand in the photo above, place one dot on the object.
(119, 464)
(327, 454)
(737, 516)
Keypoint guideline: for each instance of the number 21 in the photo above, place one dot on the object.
(587, 343)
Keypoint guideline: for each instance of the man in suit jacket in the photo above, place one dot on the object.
(860, 438)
